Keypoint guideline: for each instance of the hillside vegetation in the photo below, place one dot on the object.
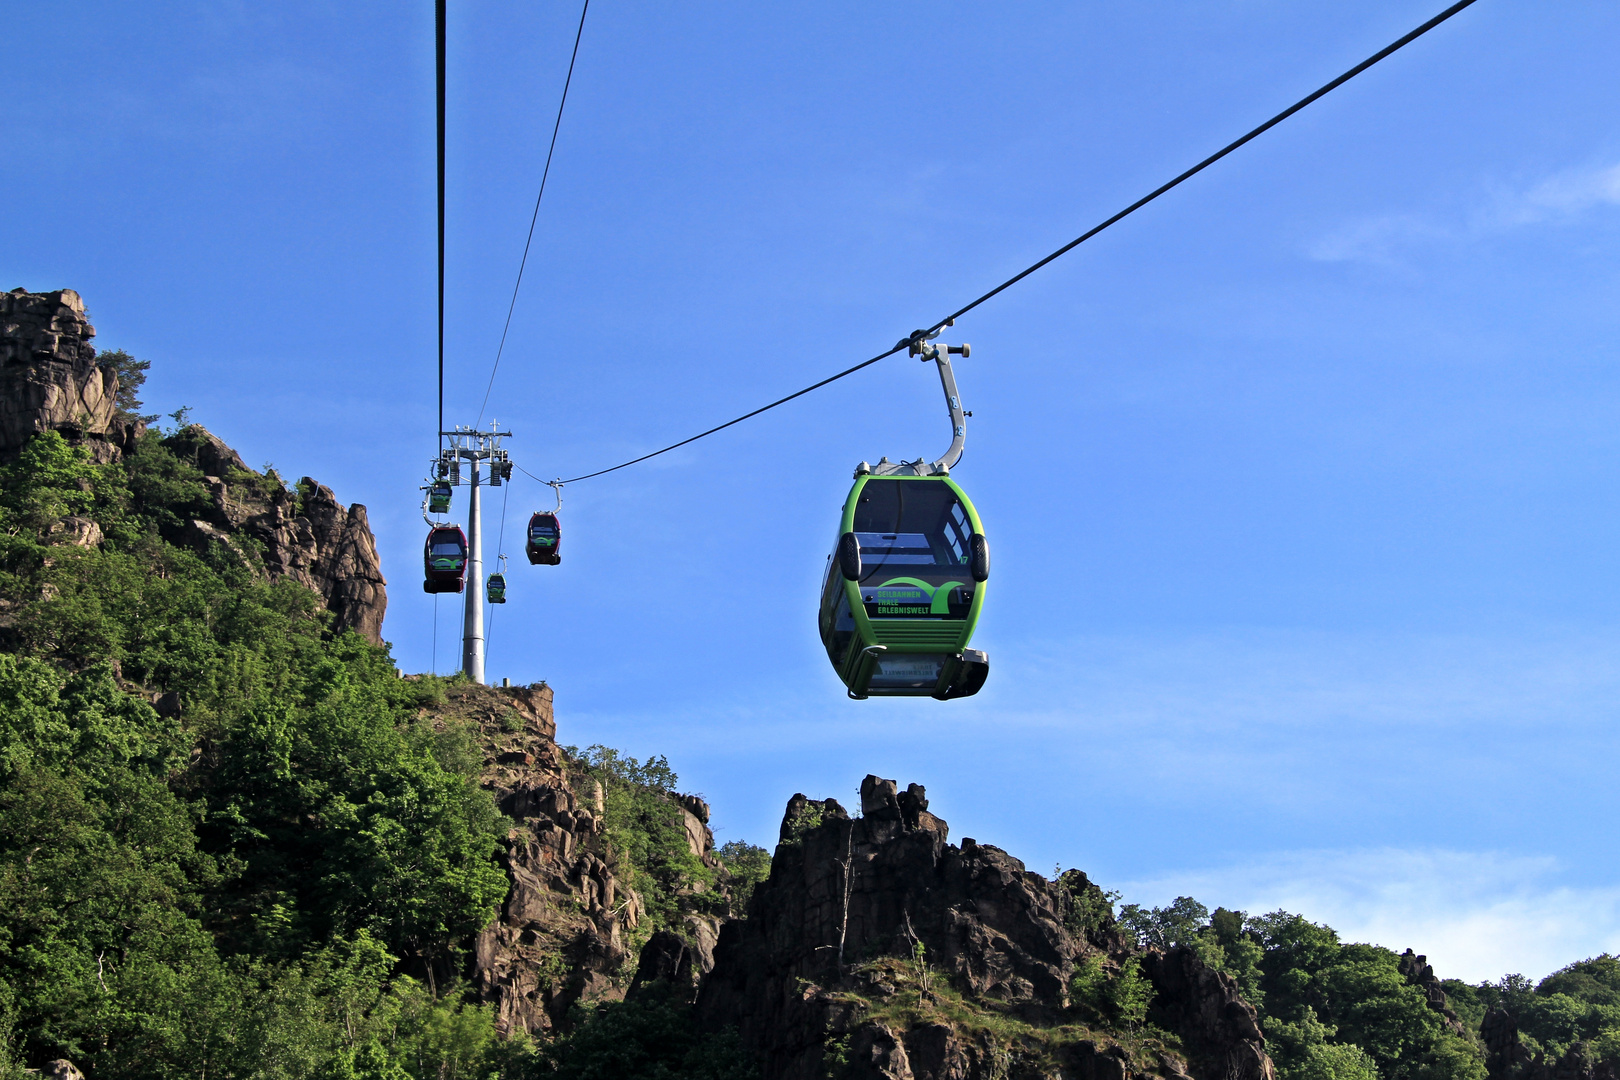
(281, 874)
(1333, 1010)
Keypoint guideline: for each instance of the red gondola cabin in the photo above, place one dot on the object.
(545, 540)
(444, 560)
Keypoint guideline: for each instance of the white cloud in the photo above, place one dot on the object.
(1375, 239)
(1568, 193)
(1476, 915)
(1381, 238)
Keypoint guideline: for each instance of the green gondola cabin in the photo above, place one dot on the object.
(904, 587)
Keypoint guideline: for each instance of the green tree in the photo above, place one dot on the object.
(1178, 923)
(1129, 993)
(49, 480)
(1113, 996)
(1319, 992)
(1577, 1004)
(1330, 1011)
(131, 377)
(748, 865)
(242, 889)
(645, 831)
(1335, 1061)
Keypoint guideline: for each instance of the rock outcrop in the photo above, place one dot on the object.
(50, 381)
(1418, 972)
(49, 378)
(868, 927)
(560, 936)
(1219, 1029)
(570, 929)
(304, 534)
(1506, 1058)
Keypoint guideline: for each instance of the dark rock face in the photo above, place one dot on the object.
(1506, 1058)
(1205, 1008)
(49, 379)
(798, 976)
(667, 957)
(1417, 971)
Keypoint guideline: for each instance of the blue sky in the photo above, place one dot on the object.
(1301, 482)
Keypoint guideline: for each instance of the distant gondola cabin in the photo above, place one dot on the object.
(544, 546)
(444, 559)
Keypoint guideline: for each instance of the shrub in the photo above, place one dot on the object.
(748, 865)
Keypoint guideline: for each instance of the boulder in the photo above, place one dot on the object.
(75, 530)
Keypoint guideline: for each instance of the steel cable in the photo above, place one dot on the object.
(1066, 248)
(439, 70)
(546, 172)
(500, 545)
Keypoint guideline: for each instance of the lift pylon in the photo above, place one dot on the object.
(477, 448)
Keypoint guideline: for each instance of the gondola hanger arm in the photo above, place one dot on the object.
(427, 493)
(922, 346)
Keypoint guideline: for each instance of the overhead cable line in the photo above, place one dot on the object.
(902, 344)
(500, 553)
(439, 41)
(1212, 159)
(905, 343)
(536, 215)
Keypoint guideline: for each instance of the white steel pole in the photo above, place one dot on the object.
(472, 643)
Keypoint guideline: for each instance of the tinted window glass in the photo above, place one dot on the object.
(906, 671)
(907, 526)
(449, 549)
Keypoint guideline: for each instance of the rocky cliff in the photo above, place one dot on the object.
(50, 381)
(49, 378)
(878, 949)
(571, 929)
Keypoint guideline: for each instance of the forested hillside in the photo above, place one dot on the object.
(234, 841)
